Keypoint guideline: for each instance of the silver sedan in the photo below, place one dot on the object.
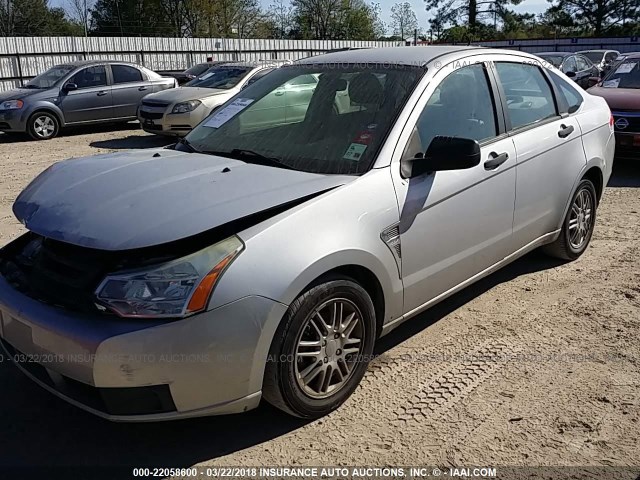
(262, 258)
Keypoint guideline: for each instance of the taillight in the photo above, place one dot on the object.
(611, 121)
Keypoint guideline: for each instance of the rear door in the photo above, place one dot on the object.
(92, 100)
(129, 85)
(548, 145)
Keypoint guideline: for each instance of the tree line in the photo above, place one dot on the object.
(448, 20)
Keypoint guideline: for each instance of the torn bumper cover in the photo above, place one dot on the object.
(127, 370)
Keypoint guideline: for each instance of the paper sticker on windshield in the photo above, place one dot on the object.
(611, 83)
(626, 67)
(206, 75)
(354, 152)
(225, 114)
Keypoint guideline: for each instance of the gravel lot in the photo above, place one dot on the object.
(562, 386)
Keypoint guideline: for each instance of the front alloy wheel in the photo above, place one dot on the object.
(321, 349)
(43, 126)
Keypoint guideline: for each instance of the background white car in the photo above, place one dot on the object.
(185, 107)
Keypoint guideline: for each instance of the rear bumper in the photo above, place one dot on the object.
(122, 370)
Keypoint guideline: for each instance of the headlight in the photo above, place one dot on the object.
(11, 105)
(185, 107)
(173, 289)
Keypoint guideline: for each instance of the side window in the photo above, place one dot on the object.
(125, 74)
(571, 95)
(259, 75)
(570, 65)
(610, 57)
(303, 80)
(90, 77)
(582, 64)
(529, 95)
(461, 106)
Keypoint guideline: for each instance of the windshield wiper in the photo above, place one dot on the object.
(186, 143)
(249, 156)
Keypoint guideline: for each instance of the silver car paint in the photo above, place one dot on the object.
(131, 200)
(341, 228)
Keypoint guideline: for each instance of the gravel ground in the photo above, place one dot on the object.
(538, 364)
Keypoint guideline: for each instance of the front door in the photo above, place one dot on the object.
(91, 100)
(455, 224)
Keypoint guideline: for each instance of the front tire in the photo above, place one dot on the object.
(578, 224)
(321, 349)
(43, 126)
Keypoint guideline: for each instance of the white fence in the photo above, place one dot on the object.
(622, 44)
(22, 58)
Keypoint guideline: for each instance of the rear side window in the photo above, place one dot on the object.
(125, 74)
(610, 57)
(571, 95)
(259, 75)
(529, 95)
(570, 65)
(582, 63)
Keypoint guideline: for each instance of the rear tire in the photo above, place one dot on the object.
(43, 126)
(321, 349)
(578, 224)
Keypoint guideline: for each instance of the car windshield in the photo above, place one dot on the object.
(624, 75)
(555, 60)
(220, 77)
(49, 78)
(595, 57)
(197, 70)
(320, 118)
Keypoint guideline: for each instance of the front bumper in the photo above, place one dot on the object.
(13, 121)
(131, 370)
(160, 122)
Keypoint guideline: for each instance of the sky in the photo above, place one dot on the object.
(527, 6)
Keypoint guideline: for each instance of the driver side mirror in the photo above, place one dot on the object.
(570, 74)
(70, 87)
(444, 153)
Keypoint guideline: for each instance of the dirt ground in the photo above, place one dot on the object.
(538, 364)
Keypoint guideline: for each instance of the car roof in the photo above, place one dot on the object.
(597, 51)
(556, 54)
(83, 63)
(413, 55)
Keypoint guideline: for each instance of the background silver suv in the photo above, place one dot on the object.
(92, 91)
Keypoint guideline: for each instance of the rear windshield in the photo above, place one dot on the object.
(624, 75)
(197, 70)
(555, 60)
(220, 77)
(595, 57)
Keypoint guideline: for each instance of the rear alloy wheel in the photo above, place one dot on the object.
(43, 126)
(321, 349)
(578, 225)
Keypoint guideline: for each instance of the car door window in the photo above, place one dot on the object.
(461, 106)
(569, 65)
(125, 74)
(89, 77)
(582, 64)
(529, 95)
(610, 57)
(571, 95)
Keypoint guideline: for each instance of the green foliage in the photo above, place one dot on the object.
(35, 18)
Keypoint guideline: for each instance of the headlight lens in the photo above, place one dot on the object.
(185, 107)
(174, 289)
(11, 105)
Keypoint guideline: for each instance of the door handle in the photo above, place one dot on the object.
(142, 89)
(565, 131)
(279, 93)
(495, 160)
(101, 93)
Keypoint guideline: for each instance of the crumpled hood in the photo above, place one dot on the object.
(132, 199)
(618, 98)
(183, 94)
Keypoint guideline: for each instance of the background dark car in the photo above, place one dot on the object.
(621, 89)
(91, 91)
(575, 66)
(190, 73)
